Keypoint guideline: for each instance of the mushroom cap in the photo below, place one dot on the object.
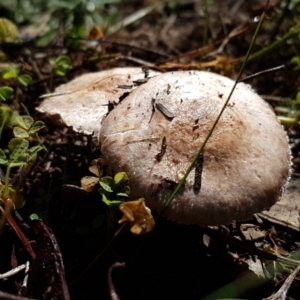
(246, 160)
(83, 102)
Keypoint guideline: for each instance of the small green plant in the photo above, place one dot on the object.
(8, 31)
(13, 72)
(19, 153)
(26, 126)
(5, 92)
(60, 65)
(114, 191)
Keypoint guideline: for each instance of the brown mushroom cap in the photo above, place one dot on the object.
(246, 161)
(82, 102)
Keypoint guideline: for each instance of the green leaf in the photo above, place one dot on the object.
(20, 132)
(8, 31)
(25, 122)
(5, 92)
(3, 158)
(298, 97)
(112, 202)
(98, 221)
(122, 195)
(36, 126)
(17, 164)
(10, 72)
(22, 159)
(120, 177)
(17, 198)
(33, 217)
(35, 149)
(106, 187)
(107, 180)
(125, 190)
(61, 65)
(296, 60)
(17, 147)
(25, 79)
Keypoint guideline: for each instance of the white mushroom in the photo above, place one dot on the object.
(155, 133)
(83, 102)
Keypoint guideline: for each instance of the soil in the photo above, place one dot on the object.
(174, 261)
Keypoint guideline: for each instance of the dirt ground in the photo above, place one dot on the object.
(174, 261)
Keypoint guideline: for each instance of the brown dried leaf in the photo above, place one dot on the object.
(88, 183)
(138, 215)
(286, 210)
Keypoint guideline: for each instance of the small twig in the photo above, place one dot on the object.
(13, 271)
(23, 288)
(112, 290)
(239, 243)
(262, 73)
(281, 294)
(18, 231)
(278, 222)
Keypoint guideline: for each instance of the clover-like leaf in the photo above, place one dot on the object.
(17, 147)
(298, 97)
(35, 149)
(25, 122)
(36, 127)
(10, 72)
(24, 79)
(8, 31)
(122, 195)
(125, 190)
(20, 132)
(61, 65)
(34, 217)
(120, 177)
(3, 158)
(5, 92)
(20, 161)
(112, 202)
(296, 61)
(107, 180)
(106, 187)
(17, 198)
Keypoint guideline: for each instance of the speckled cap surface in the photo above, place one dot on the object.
(246, 162)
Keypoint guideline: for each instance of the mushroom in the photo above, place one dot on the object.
(83, 102)
(154, 134)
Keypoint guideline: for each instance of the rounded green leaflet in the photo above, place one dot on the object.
(17, 147)
(8, 31)
(24, 79)
(20, 132)
(3, 158)
(5, 92)
(119, 177)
